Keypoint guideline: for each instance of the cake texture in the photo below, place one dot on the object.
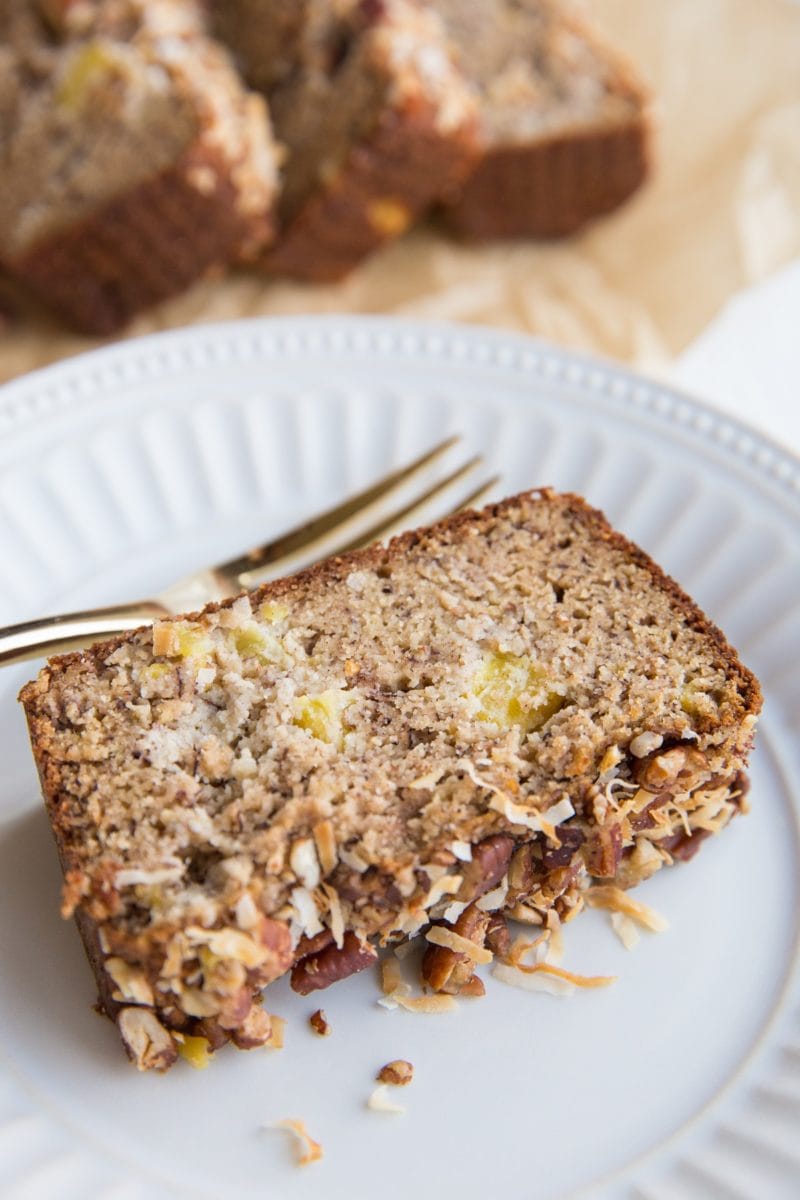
(503, 706)
(132, 166)
(377, 123)
(565, 125)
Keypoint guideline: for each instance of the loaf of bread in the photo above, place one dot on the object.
(130, 166)
(502, 706)
(565, 126)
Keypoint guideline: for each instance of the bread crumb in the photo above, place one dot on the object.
(319, 1023)
(399, 1072)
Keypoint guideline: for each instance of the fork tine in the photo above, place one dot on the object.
(396, 521)
(304, 537)
(479, 494)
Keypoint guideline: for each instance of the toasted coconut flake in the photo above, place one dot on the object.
(325, 841)
(131, 876)
(494, 899)
(626, 930)
(427, 781)
(615, 900)
(555, 945)
(439, 935)
(392, 977)
(133, 985)
(229, 943)
(542, 977)
(306, 911)
(544, 822)
(447, 885)
(379, 1101)
(336, 916)
(462, 851)
(425, 1004)
(454, 910)
(645, 743)
(354, 861)
(304, 862)
(276, 1036)
(309, 1151)
(521, 947)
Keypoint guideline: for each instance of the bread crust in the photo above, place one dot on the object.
(405, 165)
(144, 246)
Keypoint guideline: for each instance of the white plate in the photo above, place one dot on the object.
(124, 468)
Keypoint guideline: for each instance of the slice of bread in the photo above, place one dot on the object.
(564, 120)
(133, 167)
(376, 120)
(510, 702)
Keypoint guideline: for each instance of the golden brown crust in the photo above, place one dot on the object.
(384, 185)
(144, 246)
(333, 569)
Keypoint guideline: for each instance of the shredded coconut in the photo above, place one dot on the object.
(309, 1151)
(379, 1101)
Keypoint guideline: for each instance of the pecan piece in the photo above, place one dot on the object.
(276, 939)
(148, 1044)
(571, 838)
(399, 1073)
(311, 945)
(319, 1023)
(680, 768)
(255, 1030)
(320, 970)
(498, 939)
(644, 819)
(682, 846)
(490, 859)
(446, 970)
(604, 851)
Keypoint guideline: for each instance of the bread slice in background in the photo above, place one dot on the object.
(505, 705)
(133, 163)
(565, 121)
(376, 122)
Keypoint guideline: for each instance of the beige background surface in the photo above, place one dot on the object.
(722, 212)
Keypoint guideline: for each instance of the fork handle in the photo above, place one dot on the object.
(73, 631)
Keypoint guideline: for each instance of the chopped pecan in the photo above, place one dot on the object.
(320, 970)
(603, 851)
(399, 1073)
(490, 859)
(148, 1044)
(275, 937)
(210, 1029)
(644, 819)
(473, 987)
(255, 1030)
(371, 889)
(571, 838)
(498, 939)
(234, 1009)
(311, 945)
(319, 1023)
(683, 846)
(523, 869)
(446, 970)
(679, 768)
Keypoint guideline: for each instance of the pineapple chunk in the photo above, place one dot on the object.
(252, 642)
(323, 715)
(92, 66)
(195, 1051)
(273, 611)
(156, 671)
(192, 642)
(515, 691)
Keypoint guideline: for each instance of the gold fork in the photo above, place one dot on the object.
(334, 532)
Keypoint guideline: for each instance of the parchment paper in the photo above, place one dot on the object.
(722, 212)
